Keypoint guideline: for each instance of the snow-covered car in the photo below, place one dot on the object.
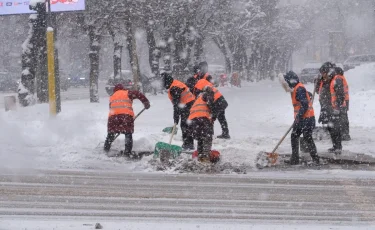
(357, 60)
(126, 79)
(309, 72)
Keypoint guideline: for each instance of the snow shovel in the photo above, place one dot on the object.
(170, 129)
(271, 158)
(166, 150)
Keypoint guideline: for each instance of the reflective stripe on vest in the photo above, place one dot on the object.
(120, 103)
(203, 83)
(186, 95)
(199, 109)
(297, 104)
(333, 92)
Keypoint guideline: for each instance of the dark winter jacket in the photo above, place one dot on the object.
(303, 123)
(177, 110)
(123, 123)
(191, 82)
(203, 127)
(176, 96)
(325, 103)
(340, 94)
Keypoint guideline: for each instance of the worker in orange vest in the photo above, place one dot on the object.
(220, 105)
(200, 118)
(182, 100)
(121, 116)
(344, 111)
(304, 118)
(339, 97)
(200, 73)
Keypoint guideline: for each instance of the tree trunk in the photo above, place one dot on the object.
(42, 80)
(132, 48)
(31, 49)
(117, 53)
(198, 52)
(153, 51)
(95, 38)
(221, 45)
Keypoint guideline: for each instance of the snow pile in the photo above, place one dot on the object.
(361, 82)
(361, 78)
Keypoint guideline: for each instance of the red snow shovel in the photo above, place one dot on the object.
(270, 158)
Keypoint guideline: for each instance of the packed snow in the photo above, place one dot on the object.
(258, 115)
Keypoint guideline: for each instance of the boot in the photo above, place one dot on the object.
(107, 146)
(346, 137)
(337, 151)
(331, 150)
(224, 136)
(187, 147)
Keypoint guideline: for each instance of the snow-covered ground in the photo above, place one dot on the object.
(258, 115)
(73, 184)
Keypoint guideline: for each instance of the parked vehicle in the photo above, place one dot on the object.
(309, 72)
(78, 81)
(357, 60)
(126, 80)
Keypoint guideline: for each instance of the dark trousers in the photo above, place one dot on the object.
(203, 132)
(306, 129)
(219, 112)
(187, 135)
(128, 141)
(223, 122)
(335, 130)
(344, 120)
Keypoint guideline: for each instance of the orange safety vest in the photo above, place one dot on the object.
(199, 109)
(297, 104)
(205, 76)
(333, 93)
(203, 83)
(186, 95)
(120, 103)
(346, 87)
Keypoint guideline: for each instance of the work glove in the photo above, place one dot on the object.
(147, 106)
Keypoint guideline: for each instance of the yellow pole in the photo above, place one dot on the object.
(51, 72)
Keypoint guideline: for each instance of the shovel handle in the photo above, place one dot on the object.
(282, 139)
(140, 113)
(174, 128)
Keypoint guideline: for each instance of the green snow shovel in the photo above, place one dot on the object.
(170, 130)
(166, 150)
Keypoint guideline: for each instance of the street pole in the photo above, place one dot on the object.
(51, 24)
(51, 64)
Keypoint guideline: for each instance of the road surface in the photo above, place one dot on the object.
(257, 198)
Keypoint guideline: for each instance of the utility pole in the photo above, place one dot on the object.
(53, 78)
